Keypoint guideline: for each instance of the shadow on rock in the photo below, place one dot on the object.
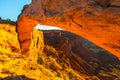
(21, 77)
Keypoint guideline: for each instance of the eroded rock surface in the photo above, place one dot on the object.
(64, 57)
(81, 55)
(95, 20)
(37, 45)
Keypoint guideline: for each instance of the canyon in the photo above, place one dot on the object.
(54, 55)
(88, 47)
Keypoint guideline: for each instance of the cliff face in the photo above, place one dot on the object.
(38, 66)
(71, 50)
(8, 39)
(37, 44)
(81, 55)
(54, 55)
(95, 20)
(14, 66)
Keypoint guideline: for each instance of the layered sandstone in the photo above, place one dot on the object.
(63, 57)
(37, 45)
(81, 55)
(13, 66)
(8, 39)
(95, 20)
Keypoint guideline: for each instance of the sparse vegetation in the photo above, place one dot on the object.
(59, 75)
(40, 60)
(47, 67)
(70, 74)
(50, 51)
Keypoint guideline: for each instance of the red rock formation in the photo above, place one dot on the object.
(75, 54)
(66, 45)
(96, 20)
(24, 31)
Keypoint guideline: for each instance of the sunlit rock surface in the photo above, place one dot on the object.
(37, 44)
(54, 55)
(8, 39)
(14, 66)
(95, 20)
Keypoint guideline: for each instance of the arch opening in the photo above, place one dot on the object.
(46, 27)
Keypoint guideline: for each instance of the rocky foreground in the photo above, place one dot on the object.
(54, 55)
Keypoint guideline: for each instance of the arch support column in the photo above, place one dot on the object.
(24, 28)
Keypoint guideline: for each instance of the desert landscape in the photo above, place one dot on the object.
(86, 48)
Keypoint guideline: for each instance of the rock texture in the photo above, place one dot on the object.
(8, 39)
(13, 66)
(74, 52)
(63, 57)
(95, 20)
(71, 49)
(37, 45)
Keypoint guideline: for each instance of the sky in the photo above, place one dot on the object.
(10, 9)
(46, 27)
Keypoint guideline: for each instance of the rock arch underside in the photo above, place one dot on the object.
(95, 20)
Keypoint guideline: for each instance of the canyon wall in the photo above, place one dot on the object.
(74, 52)
(95, 20)
(57, 55)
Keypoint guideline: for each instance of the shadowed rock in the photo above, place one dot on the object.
(78, 53)
(22, 77)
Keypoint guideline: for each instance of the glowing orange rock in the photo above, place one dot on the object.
(95, 20)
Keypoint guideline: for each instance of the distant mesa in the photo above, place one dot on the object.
(7, 21)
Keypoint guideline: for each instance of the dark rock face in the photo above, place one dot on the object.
(8, 21)
(72, 48)
(23, 77)
(81, 56)
(95, 20)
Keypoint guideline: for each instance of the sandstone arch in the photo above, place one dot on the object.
(96, 20)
